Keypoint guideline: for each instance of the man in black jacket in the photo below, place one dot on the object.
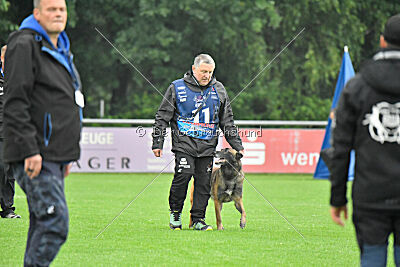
(42, 123)
(368, 121)
(7, 182)
(194, 107)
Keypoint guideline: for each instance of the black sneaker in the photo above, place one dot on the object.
(175, 222)
(12, 215)
(202, 226)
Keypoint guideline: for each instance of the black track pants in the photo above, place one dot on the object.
(7, 187)
(185, 167)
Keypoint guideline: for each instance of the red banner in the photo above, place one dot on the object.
(266, 151)
(280, 150)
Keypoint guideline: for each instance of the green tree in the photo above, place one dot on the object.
(299, 85)
(6, 25)
(160, 38)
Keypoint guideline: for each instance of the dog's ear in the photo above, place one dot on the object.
(238, 155)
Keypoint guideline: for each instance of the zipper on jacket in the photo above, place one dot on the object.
(47, 128)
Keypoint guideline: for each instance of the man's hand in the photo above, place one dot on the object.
(67, 169)
(33, 166)
(336, 212)
(157, 152)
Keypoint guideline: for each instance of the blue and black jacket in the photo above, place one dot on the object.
(40, 112)
(170, 113)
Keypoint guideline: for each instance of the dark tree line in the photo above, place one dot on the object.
(161, 37)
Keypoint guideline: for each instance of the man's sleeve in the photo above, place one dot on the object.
(19, 84)
(343, 133)
(163, 116)
(227, 123)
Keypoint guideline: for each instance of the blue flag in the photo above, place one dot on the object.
(345, 74)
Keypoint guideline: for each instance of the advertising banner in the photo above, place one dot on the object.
(280, 150)
(108, 149)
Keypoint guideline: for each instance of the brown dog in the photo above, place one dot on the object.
(226, 184)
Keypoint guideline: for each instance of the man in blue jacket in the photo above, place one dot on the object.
(42, 123)
(195, 107)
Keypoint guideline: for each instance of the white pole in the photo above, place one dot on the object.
(101, 108)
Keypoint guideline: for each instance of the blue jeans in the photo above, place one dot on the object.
(48, 212)
(375, 255)
(373, 228)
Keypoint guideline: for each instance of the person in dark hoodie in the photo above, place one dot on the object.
(368, 121)
(7, 182)
(42, 123)
(194, 106)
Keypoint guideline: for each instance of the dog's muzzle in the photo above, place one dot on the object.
(219, 161)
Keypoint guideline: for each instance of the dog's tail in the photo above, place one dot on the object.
(191, 204)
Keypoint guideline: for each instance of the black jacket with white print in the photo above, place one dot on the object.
(368, 120)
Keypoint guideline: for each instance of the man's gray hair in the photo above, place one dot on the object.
(203, 58)
(36, 3)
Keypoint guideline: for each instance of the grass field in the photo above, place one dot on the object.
(141, 236)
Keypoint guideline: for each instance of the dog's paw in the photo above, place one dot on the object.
(221, 228)
(242, 225)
